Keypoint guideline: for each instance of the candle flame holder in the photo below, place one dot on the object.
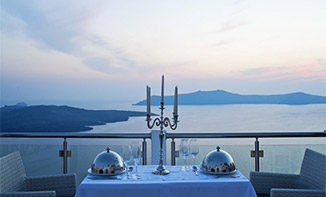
(162, 122)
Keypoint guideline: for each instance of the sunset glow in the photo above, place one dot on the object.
(94, 49)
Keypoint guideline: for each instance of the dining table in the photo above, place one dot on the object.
(177, 183)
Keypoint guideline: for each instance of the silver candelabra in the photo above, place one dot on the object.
(162, 122)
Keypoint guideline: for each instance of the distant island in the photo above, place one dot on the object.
(221, 97)
(51, 118)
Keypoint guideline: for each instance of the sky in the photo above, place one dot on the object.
(109, 51)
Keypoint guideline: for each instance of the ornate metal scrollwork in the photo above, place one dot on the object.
(162, 122)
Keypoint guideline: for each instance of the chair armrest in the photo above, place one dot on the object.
(28, 194)
(264, 181)
(297, 193)
(63, 185)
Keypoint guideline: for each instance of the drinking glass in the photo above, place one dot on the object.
(194, 149)
(136, 153)
(184, 148)
(127, 157)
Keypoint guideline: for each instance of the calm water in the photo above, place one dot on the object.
(232, 118)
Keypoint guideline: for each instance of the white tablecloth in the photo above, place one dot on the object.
(177, 183)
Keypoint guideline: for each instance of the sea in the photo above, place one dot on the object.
(40, 156)
(230, 118)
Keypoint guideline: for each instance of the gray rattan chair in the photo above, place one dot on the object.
(13, 180)
(310, 182)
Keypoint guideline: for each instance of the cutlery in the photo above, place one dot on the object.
(130, 169)
(195, 169)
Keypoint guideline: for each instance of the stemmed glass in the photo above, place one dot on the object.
(136, 153)
(194, 149)
(127, 157)
(184, 148)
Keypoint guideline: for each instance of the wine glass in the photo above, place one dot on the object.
(194, 149)
(184, 148)
(136, 153)
(127, 157)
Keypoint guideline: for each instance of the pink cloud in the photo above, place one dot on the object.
(312, 71)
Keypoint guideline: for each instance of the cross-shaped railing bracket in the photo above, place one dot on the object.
(177, 153)
(61, 153)
(260, 154)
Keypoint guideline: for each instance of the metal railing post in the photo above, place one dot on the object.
(173, 152)
(257, 155)
(65, 156)
(144, 147)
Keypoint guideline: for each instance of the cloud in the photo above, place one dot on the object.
(99, 54)
(53, 30)
(231, 25)
(22, 57)
(10, 24)
(55, 23)
(112, 66)
(312, 71)
(61, 27)
(322, 62)
(221, 43)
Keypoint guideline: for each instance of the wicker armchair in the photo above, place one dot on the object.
(310, 182)
(13, 181)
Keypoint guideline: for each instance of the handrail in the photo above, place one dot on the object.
(168, 135)
(246, 135)
(75, 135)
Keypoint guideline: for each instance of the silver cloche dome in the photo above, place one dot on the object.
(218, 162)
(108, 163)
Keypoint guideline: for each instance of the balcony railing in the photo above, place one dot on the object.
(256, 153)
(65, 153)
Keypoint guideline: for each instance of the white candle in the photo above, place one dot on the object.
(148, 100)
(176, 100)
(162, 94)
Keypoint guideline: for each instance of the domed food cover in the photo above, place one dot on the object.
(218, 162)
(107, 163)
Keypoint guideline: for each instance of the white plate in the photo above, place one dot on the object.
(96, 174)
